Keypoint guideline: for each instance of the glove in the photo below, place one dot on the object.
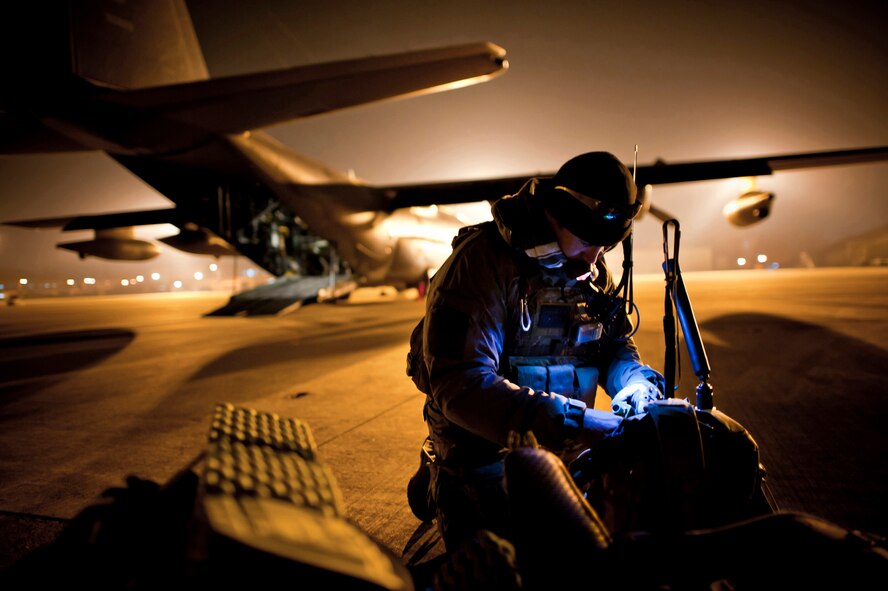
(597, 424)
(634, 398)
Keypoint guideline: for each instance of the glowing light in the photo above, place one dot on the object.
(69, 281)
(214, 267)
(23, 281)
(250, 272)
(762, 258)
(359, 218)
(89, 280)
(140, 278)
(430, 211)
(155, 276)
(198, 275)
(124, 282)
(177, 284)
(741, 261)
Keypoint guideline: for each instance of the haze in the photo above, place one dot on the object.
(683, 80)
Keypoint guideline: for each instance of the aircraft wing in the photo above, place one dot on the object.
(239, 103)
(661, 173)
(653, 174)
(103, 221)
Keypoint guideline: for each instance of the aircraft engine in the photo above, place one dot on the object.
(116, 244)
(115, 249)
(199, 242)
(749, 208)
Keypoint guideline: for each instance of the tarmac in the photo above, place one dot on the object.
(93, 389)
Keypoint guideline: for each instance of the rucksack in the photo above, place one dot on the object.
(416, 367)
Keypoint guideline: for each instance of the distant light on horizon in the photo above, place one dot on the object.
(741, 261)
(69, 281)
(23, 281)
(762, 258)
(214, 267)
(155, 276)
(89, 280)
(124, 282)
(198, 275)
(177, 284)
(250, 272)
(140, 278)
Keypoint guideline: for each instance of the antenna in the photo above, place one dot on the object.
(635, 163)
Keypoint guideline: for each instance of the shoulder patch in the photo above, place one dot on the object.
(448, 331)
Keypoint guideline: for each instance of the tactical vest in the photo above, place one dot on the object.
(556, 347)
(558, 350)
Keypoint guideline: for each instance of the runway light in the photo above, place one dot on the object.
(89, 280)
(140, 278)
(23, 281)
(177, 284)
(198, 275)
(741, 261)
(124, 282)
(214, 267)
(762, 258)
(155, 276)
(69, 281)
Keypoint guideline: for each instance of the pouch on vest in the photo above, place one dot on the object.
(551, 374)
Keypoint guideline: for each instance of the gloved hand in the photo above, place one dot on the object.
(597, 424)
(634, 398)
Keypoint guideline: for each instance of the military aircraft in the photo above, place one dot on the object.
(130, 80)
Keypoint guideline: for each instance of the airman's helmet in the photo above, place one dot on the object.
(593, 196)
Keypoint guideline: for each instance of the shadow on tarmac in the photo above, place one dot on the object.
(344, 340)
(815, 400)
(40, 357)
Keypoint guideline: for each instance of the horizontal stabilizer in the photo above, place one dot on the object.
(239, 103)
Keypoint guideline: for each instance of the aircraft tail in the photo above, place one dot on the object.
(122, 45)
(134, 44)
